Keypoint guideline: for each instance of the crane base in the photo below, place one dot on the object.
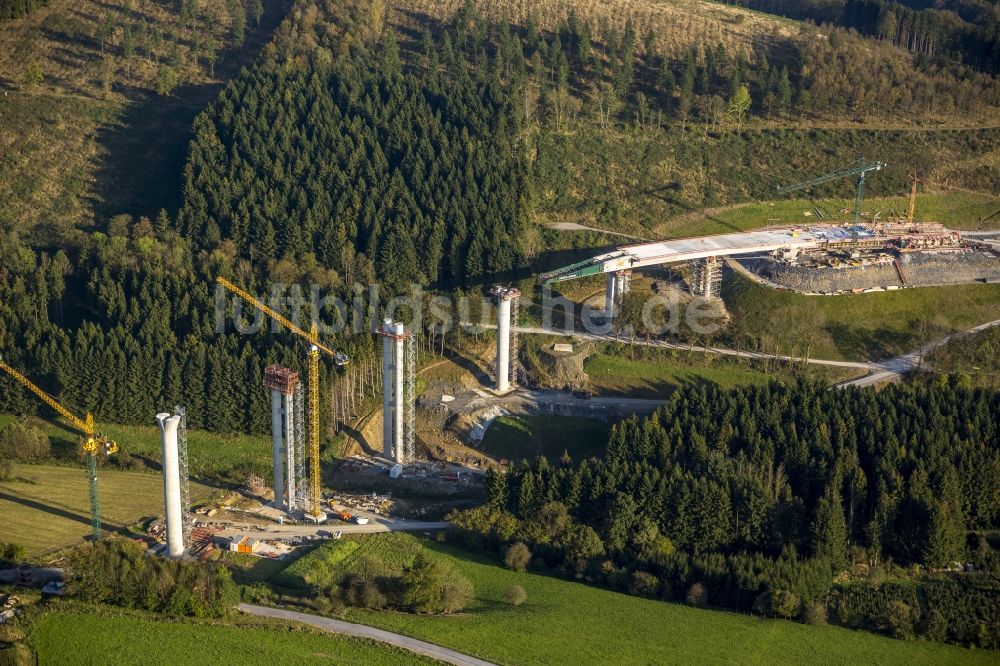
(318, 518)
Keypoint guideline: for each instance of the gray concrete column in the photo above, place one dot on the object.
(503, 344)
(387, 381)
(293, 481)
(172, 483)
(397, 371)
(621, 285)
(277, 456)
(609, 296)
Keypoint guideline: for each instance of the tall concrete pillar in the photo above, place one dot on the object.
(397, 376)
(387, 384)
(277, 457)
(611, 282)
(622, 284)
(172, 483)
(293, 481)
(503, 344)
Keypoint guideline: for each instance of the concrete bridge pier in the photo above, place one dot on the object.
(609, 296)
(706, 280)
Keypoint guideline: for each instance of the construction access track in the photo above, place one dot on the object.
(878, 372)
(424, 648)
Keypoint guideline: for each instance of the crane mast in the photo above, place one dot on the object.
(860, 171)
(315, 347)
(92, 444)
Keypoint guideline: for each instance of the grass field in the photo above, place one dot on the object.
(957, 210)
(656, 374)
(977, 356)
(566, 622)
(210, 455)
(83, 639)
(317, 567)
(527, 437)
(49, 507)
(616, 375)
(857, 326)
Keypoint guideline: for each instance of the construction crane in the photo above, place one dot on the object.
(860, 171)
(911, 212)
(92, 444)
(315, 347)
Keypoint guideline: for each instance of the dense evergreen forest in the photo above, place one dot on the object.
(413, 178)
(966, 30)
(750, 495)
(12, 9)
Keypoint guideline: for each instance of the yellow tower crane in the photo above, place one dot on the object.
(315, 347)
(92, 443)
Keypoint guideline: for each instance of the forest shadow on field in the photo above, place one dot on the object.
(691, 212)
(876, 345)
(142, 156)
(54, 511)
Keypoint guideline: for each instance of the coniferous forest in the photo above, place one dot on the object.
(966, 30)
(413, 178)
(12, 9)
(758, 498)
(306, 171)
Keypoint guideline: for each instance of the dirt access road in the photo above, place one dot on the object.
(895, 368)
(375, 525)
(878, 372)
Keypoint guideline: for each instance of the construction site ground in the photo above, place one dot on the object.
(917, 269)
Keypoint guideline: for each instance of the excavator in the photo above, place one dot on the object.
(92, 443)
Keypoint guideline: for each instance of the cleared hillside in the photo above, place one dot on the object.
(675, 25)
(654, 183)
(98, 99)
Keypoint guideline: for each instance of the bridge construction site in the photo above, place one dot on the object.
(902, 244)
(812, 246)
(815, 258)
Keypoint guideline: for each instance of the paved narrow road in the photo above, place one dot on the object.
(424, 648)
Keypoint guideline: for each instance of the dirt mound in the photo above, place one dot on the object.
(549, 368)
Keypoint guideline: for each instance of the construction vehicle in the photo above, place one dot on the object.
(860, 171)
(315, 347)
(91, 444)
